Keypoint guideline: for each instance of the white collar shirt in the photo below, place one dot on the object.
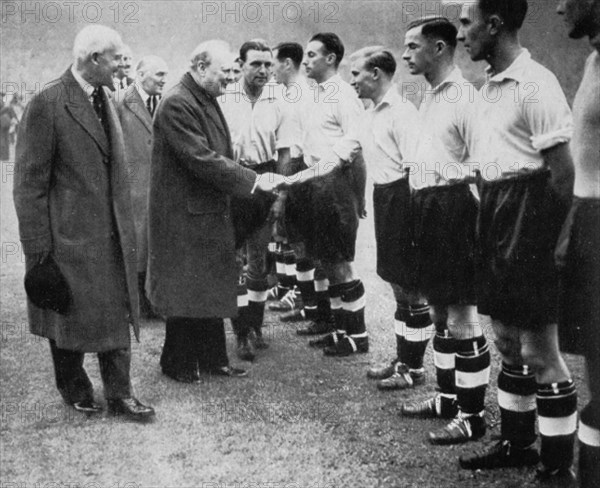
(331, 124)
(387, 136)
(297, 97)
(258, 130)
(522, 111)
(445, 121)
(143, 95)
(85, 86)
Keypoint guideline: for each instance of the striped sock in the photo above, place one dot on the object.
(444, 357)
(557, 419)
(273, 250)
(257, 296)
(289, 261)
(241, 323)
(280, 270)
(337, 312)
(305, 276)
(516, 398)
(472, 374)
(413, 331)
(322, 295)
(353, 304)
(589, 446)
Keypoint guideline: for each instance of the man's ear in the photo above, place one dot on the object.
(439, 46)
(201, 67)
(495, 23)
(94, 57)
(376, 73)
(331, 58)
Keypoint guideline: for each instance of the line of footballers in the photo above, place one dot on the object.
(473, 194)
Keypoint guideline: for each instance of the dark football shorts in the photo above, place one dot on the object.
(578, 256)
(444, 237)
(324, 214)
(393, 234)
(519, 222)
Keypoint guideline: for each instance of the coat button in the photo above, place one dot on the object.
(105, 160)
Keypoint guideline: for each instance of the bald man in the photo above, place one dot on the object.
(192, 267)
(136, 110)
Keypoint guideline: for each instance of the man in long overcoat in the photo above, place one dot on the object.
(135, 113)
(73, 204)
(192, 270)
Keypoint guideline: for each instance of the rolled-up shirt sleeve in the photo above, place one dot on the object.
(549, 116)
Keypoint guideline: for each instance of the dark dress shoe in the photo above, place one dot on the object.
(130, 408)
(180, 376)
(88, 407)
(228, 371)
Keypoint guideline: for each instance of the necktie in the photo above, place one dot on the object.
(151, 104)
(98, 104)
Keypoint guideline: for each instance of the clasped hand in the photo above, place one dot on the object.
(271, 182)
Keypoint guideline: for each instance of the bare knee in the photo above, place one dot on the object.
(509, 350)
(463, 322)
(547, 363)
(508, 344)
(540, 351)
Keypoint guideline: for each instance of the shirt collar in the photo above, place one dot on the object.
(454, 77)
(85, 86)
(391, 98)
(516, 71)
(334, 80)
(267, 93)
(120, 83)
(300, 83)
(142, 92)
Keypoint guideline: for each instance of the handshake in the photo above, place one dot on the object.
(271, 182)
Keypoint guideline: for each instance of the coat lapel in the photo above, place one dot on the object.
(133, 101)
(82, 111)
(209, 103)
(117, 144)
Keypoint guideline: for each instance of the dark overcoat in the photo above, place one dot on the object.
(72, 198)
(137, 133)
(192, 270)
(6, 116)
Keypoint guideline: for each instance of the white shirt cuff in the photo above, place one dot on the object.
(546, 141)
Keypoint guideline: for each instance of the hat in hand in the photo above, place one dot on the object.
(47, 288)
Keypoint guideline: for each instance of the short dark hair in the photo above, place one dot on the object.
(252, 46)
(291, 50)
(437, 28)
(332, 44)
(512, 12)
(376, 57)
(384, 60)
